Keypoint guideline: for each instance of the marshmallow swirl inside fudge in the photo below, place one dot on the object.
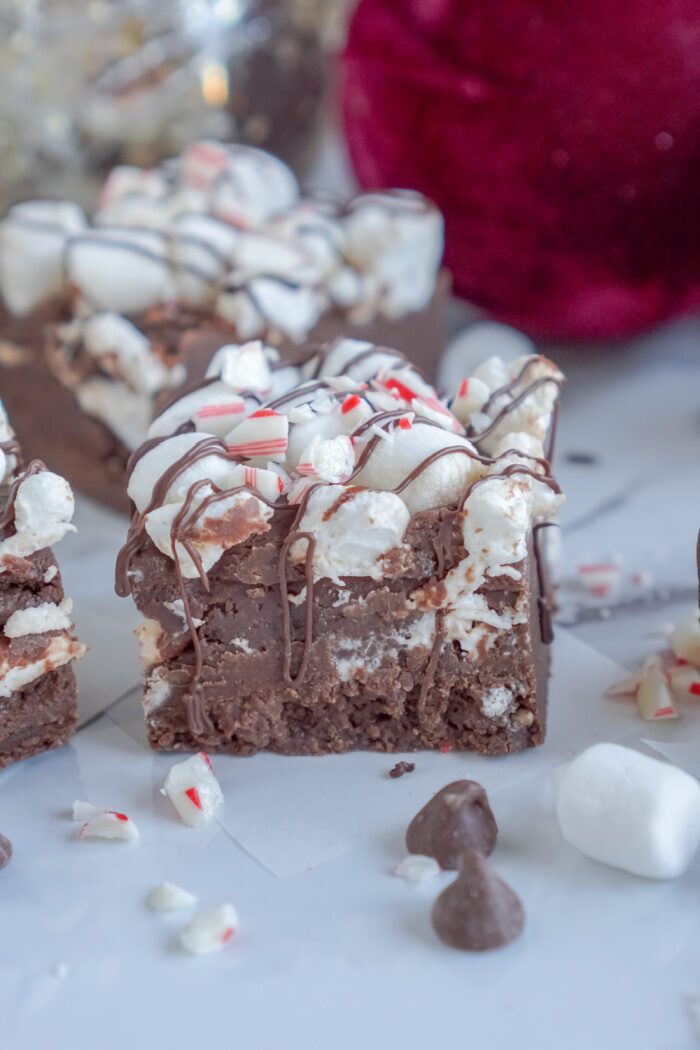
(341, 465)
(221, 232)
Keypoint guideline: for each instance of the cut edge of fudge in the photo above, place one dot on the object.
(217, 246)
(353, 565)
(38, 708)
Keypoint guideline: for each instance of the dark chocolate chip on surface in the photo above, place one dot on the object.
(400, 768)
(457, 819)
(5, 851)
(478, 911)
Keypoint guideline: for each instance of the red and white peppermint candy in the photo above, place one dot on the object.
(599, 579)
(653, 696)
(685, 640)
(354, 410)
(328, 459)
(264, 433)
(472, 394)
(210, 930)
(170, 897)
(193, 789)
(220, 418)
(268, 483)
(684, 680)
(202, 162)
(109, 824)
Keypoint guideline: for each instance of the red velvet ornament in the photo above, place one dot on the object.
(561, 139)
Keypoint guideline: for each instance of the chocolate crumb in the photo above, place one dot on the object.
(582, 459)
(400, 768)
(457, 819)
(5, 852)
(478, 911)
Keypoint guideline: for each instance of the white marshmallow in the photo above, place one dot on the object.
(630, 811)
(251, 188)
(108, 824)
(107, 336)
(44, 506)
(126, 413)
(123, 270)
(61, 649)
(327, 459)
(685, 640)
(437, 485)
(169, 897)
(32, 240)
(489, 340)
(194, 790)
(399, 238)
(48, 616)
(209, 930)
(145, 475)
(355, 538)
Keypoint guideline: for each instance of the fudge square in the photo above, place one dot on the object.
(37, 646)
(329, 557)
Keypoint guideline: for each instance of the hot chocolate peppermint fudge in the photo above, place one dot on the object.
(102, 320)
(328, 557)
(37, 645)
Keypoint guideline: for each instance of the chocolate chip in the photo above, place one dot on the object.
(5, 851)
(478, 911)
(400, 768)
(457, 819)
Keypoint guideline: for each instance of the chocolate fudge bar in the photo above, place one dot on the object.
(102, 321)
(37, 646)
(328, 557)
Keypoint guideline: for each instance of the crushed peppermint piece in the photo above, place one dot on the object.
(417, 868)
(193, 789)
(169, 897)
(109, 824)
(209, 930)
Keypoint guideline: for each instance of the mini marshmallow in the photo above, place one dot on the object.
(47, 616)
(327, 459)
(125, 352)
(169, 897)
(472, 394)
(125, 412)
(653, 696)
(437, 485)
(108, 824)
(270, 302)
(44, 507)
(252, 188)
(119, 269)
(417, 868)
(263, 434)
(630, 811)
(209, 930)
(216, 467)
(194, 790)
(32, 240)
(685, 640)
(354, 529)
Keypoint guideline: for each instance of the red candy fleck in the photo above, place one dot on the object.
(695, 689)
(193, 796)
(463, 388)
(663, 711)
(396, 386)
(280, 488)
(227, 934)
(446, 748)
(350, 402)
(263, 413)
(119, 816)
(205, 756)
(405, 423)
(681, 663)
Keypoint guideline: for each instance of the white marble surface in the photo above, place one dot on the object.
(333, 950)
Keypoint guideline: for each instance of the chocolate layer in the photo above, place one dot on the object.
(366, 686)
(39, 717)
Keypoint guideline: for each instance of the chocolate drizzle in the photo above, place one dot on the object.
(196, 502)
(7, 513)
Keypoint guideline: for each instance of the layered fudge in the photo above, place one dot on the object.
(37, 645)
(103, 319)
(329, 557)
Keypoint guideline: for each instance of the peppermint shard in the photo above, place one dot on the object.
(37, 645)
(329, 557)
(103, 318)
